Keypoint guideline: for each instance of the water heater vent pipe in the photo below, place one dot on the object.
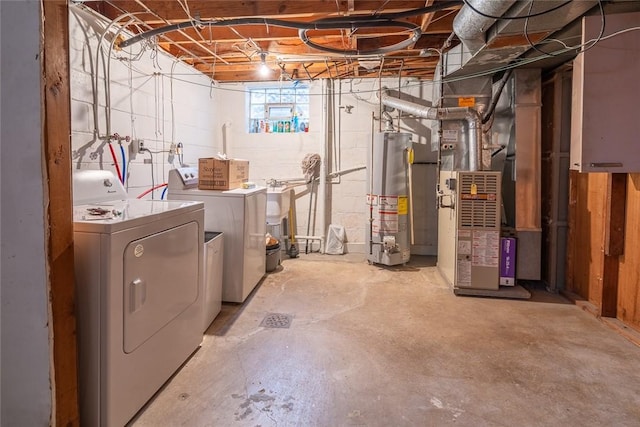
(469, 114)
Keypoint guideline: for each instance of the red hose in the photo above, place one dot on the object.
(115, 162)
(151, 189)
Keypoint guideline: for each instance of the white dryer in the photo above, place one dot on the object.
(241, 215)
(138, 267)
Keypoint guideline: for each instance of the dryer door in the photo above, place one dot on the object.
(160, 281)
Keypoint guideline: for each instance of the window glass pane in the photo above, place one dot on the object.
(273, 96)
(288, 95)
(257, 96)
(257, 111)
(302, 96)
(279, 111)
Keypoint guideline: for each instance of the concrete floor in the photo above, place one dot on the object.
(393, 346)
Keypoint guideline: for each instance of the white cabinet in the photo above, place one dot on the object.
(606, 96)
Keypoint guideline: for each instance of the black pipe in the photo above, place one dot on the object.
(346, 22)
(496, 96)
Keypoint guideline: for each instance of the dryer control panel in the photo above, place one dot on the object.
(188, 175)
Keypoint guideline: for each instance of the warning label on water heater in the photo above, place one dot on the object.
(403, 205)
(384, 213)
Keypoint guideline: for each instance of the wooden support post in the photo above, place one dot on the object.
(613, 241)
(59, 209)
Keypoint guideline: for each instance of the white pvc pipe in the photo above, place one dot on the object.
(346, 171)
(322, 188)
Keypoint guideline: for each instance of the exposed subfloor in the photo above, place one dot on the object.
(392, 346)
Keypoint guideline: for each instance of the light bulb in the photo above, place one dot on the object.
(264, 70)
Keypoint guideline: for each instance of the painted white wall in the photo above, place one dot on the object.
(209, 119)
(279, 156)
(152, 97)
(25, 351)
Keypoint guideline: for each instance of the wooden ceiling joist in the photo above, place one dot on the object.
(231, 50)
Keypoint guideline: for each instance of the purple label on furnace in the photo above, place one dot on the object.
(507, 257)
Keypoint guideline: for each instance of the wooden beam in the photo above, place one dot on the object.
(207, 9)
(610, 275)
(629, 273)
(614, 224)
(425, 21)
(57, 146)
(615, 214)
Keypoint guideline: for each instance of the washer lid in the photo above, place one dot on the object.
(95, 186)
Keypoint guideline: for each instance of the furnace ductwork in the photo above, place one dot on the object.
(470, 26)
(469, 114)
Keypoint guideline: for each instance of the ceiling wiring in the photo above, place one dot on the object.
(516, 63)
(526, 33)
(381, 7)
(588, 46)
(342, 22)
(581, 48)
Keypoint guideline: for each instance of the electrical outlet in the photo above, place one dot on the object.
(140, 144)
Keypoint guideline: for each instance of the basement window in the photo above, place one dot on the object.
(279, 109)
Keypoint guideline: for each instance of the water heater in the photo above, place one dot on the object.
(388, 180)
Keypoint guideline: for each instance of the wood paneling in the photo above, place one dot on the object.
(57, 145)
(585, 269)
(629, 273)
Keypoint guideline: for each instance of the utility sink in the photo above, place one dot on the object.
(278, 202)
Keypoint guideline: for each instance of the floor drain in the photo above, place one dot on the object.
(276, 320)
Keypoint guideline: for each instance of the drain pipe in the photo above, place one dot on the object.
(469, 114)
(471, 27)
(326, 141)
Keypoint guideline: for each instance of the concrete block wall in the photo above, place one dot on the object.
(152, 98)
(155, 99)
(279, 156)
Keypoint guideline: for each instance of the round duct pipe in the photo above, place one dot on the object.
(469, 114)
(471, 27)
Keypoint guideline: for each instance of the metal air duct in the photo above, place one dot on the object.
(468, 114)
(489, 43)
(470, 27)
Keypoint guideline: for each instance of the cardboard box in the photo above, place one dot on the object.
(216, 174)
(507, 261)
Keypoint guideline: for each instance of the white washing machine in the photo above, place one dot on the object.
(138, 268)
(240, 214)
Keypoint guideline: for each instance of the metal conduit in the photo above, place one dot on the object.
(469, 114)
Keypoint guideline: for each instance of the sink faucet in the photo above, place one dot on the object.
(273, 183)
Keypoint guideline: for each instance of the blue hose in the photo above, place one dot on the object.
(124, 165)
(163, 193)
